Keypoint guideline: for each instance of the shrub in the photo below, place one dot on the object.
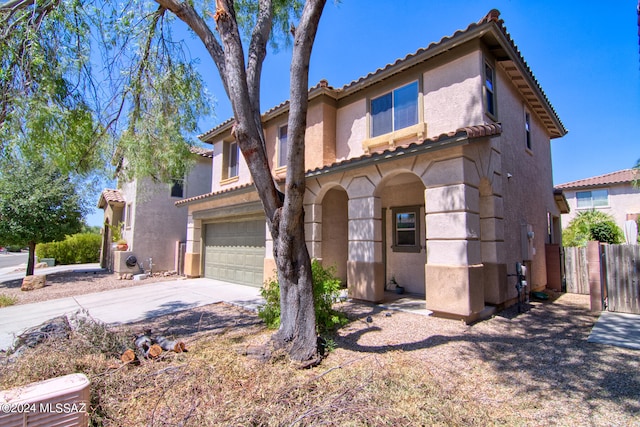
(326, 291)
(7, 300)
(605, 232)
(587, 226)
(77, 249)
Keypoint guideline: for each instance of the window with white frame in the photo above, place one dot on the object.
(527, 129)
(282, 146)
(395, 110)
(489, 89)
(592, 199)
(406, 229)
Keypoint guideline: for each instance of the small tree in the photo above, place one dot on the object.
(38, 204)
(591, 225)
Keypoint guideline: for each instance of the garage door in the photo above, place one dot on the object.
(234, 251)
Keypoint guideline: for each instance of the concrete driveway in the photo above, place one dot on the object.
(128, 305)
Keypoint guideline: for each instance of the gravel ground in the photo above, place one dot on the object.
(538, 363)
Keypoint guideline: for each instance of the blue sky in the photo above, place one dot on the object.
(584, 54)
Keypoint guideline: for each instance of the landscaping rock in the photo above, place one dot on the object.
(30, 283)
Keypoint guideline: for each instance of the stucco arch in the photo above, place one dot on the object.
(403, 191)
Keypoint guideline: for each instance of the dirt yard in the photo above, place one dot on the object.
(529, 369)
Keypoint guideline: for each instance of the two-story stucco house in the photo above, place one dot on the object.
(612, 193)
(434, 171)
(145, 212)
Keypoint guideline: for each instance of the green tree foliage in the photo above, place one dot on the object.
(77, 249)
(88, 84)
(591, 225)
(37, 204)
(326, 292)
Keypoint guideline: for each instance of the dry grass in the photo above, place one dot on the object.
(534, 369)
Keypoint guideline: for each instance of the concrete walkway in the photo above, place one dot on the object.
(128, 305)
(617, 329)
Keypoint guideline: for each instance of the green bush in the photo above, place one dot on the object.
(591, 225)
(77, 249)
(326, 291)
(605, 232)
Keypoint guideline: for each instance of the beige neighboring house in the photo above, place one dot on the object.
(434, 171)
(150, 222)
(612, 193)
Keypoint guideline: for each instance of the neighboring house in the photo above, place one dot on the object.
(612, 193)
(434, 170)
(145, 211)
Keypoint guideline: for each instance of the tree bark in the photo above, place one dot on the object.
(31, 260)
(297, 331)
(285, 219)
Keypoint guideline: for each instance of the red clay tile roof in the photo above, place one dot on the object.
(109, 196)
(619, 177)
(514, 65)
(204, 152)
(459, 135)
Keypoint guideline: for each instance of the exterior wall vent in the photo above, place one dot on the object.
(59, 402)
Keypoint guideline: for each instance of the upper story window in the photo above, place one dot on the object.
(231, 159)
(282, 146)
(394, 110)
(489, 89)
(592, 199)
(527, 129)
(127, 215)
(177, 188)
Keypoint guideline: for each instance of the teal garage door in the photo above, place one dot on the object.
(234, 251)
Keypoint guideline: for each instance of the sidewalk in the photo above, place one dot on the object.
(128, 305)
(9, 273)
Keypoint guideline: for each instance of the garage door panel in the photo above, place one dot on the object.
(234, 251)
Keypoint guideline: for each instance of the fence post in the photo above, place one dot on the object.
(593, 267)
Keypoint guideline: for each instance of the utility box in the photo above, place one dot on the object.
(120, 264)
(62, 401)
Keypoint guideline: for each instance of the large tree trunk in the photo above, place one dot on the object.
(31, 260)
(297, 330)
(285, 218)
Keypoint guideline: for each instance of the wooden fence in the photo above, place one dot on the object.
(618, 269)
(621, 265)
(576, 273)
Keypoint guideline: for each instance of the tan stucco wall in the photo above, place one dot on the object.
(527, 194)
(453, 94)
(335, 231)
(351, 129)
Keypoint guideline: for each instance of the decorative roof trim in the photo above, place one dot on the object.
(110, 197)
(490, 23)
(617, 177)
(446, 140)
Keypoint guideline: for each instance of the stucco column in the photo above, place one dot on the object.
(313, 229)
(192, 257)
(365, 272)
(493, 249)
(453, 271)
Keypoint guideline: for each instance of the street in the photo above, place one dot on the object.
(11, 259)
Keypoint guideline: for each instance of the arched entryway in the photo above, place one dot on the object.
(335, 231)
(403, 230)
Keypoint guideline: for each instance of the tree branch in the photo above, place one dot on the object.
(189, 16)
(257, 54)
(299, 99)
